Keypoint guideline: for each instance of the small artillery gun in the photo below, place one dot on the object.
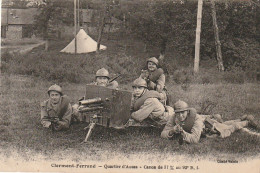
(105, 107)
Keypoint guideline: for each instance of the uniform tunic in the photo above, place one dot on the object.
(153, 109)
(157, 79)
(62, 111)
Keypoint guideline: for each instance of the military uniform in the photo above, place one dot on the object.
(155, 79)
(62, 112)
(195, 124)
(148, 105)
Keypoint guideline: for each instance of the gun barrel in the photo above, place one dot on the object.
(89, 109)
(90, 101)
(111, 80)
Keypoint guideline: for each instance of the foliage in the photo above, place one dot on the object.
(51, 19)
(175, 21)
(159, 23)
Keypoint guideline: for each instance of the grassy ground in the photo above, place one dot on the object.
(22, 134)
(25, 79)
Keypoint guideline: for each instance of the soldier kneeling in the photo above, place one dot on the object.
(146, 104)
(56, 111)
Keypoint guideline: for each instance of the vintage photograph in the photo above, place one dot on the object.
(130, 86)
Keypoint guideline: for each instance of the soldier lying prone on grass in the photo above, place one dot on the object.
(188, 126)
(56, 111)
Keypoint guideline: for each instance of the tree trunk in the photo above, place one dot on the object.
(198, 31)
(163, 49)
(145, 47)
(216, 34)
(75, 26)
(47, 44)
(102, 25)
(46, 37)
(226, 4)
(101, 28)
(110, 23)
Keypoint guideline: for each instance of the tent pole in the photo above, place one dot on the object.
(75, 24)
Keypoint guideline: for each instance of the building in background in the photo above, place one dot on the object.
(17, 23)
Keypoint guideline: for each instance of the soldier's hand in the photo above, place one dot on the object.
(54, 120)
(144, 74)
(152, 85)
(57, 127)
(47, 124)
(179, 129)
(173, 131)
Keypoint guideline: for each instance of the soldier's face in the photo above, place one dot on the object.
(151, 66)
(138, 91)
(181, 116)
(102, 81)
(55, 97)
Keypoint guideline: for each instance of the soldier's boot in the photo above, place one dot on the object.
(217, 117)
(243, 118)
(132, 122)
(252, 122)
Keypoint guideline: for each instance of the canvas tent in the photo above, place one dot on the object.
(85, 44)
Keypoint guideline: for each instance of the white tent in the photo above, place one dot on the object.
(85, 44)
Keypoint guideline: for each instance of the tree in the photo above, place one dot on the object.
(216, 34)
(153, 23)
(105, 14)
(197, 43)
(50, 19)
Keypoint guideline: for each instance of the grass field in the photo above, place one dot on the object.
(22, 134)
(25, 79)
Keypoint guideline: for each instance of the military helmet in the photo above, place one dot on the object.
(153, 60)
(102, 73)
(180, 106)
(139, 82)
(56, 88)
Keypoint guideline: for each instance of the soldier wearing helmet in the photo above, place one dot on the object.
(56, 111)
(188, 126)
(146, 104)
(154, 76)
(102, 79)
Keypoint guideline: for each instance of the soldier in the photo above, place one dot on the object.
(188, 126)
(102, 79)
(56, 111)
(146, 104)
(155, 77)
